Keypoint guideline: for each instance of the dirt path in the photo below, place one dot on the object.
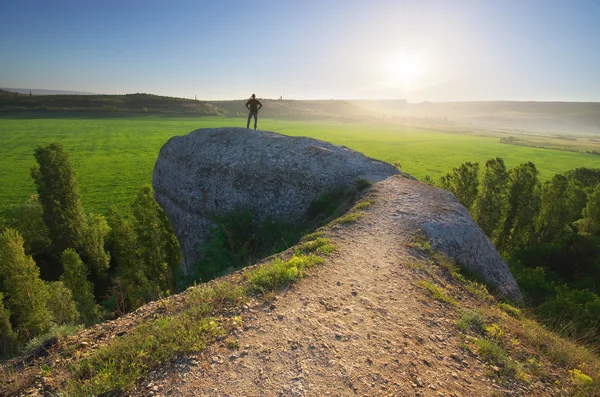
(358, 325)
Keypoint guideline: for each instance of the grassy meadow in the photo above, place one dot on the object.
(115, 156)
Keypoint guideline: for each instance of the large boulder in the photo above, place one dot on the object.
(419, 208)
(212, 171)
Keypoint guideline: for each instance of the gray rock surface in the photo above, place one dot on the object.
(450, 229)
(214, 170)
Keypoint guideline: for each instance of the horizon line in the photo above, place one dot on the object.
(88, 93)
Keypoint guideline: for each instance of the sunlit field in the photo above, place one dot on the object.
(115, 156)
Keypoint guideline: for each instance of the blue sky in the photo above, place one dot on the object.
(447, 50)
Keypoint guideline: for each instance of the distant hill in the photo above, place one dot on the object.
(5, 92)
(497, 116)
(512, 116)
(36, 91)
(155, 104)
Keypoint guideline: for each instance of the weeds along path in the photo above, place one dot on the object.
(357, 325)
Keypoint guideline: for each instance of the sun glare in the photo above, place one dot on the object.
(406, 71)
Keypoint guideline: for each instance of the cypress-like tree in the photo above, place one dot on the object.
(523, 202)
(489, 207)
(135, 288)
(26, 292)
(58, 193)
(27, 220)
(589, 177)
(95, 232)
(463, 182)
(591, 213)
(158, 246)
(61, 304)
(577, 199)
(554, 210)
(74, 278)
(8, 338)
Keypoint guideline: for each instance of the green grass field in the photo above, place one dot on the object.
(115, 156)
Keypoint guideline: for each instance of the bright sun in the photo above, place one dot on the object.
(406, 70)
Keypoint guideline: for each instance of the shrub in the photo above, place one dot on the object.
(511, 310)
(237, 240)
(361, 206)
(56, 331)
(362, 184)
(348, 218)
(220, 294)
(61, 304)
(319, 245)
(580, 378)
(580, 308)
(493, 353)
(326, 204)
(495, 332)
(280, 273)
(472, 320)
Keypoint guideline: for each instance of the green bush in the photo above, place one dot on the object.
(533, 282)
(511, 310)
(280, 273)
(319, 245)
(237, 240)
(56, 331)
(223, 293)
(61, 304)
(326, 204)
(348, 218)
(472, 320)
(493, 353)
(578, 308)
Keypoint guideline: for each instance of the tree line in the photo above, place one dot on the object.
(549, 234)
(60, 265)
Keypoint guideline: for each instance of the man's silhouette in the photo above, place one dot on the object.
(253, 105)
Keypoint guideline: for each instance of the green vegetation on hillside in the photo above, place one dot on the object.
(117, 366)
(517, 349)
(548, 231)
(74, 252)
(546, 225)
(122, 263)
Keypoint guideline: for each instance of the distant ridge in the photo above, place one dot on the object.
(496, 116)
(156, 104)
(37, 91)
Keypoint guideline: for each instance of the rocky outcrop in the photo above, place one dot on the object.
(449, 228)
(211, 171)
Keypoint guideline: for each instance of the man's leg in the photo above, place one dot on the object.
(255, 119)
(249, 117)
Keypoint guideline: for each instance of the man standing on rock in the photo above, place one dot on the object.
(253, 105)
